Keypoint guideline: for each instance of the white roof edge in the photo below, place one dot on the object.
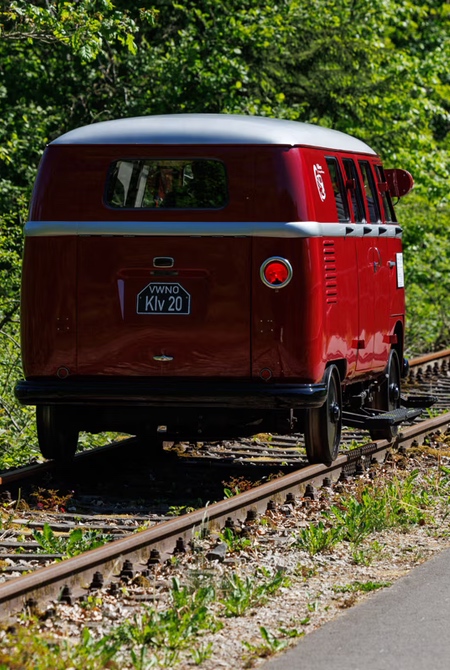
(186, 129)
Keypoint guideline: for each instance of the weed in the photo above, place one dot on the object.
(292, 632)
(234, 541)
(272, 643)
(269, 646)
(354, 444)
(358, 518)
(364, 587)
(50, 499)
(400, 502)
(242, 593)
(237, 485)
(76, 543)
(366, 556)
(144, 659)
(313, 607)
(432, 412)
(178, 510)
(202, 653)
(26, 648)
(305, 571)
(91, 602)
(317, 538)
(175, 627)
(6, 518)
(263, 437)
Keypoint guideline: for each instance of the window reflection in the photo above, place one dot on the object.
(175, 184)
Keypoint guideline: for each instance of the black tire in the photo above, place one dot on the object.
(57, 432)
(387, 398)
(323, 425)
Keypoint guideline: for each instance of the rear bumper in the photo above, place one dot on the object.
(163, 393)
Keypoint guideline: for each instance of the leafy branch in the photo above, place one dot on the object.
(86, 26)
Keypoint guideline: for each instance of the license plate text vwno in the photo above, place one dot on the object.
(163, 298)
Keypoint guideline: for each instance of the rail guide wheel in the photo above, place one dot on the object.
(57, 432)
(388, 397)
(323, 425)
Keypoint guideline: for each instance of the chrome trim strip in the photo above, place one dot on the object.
(289, 229)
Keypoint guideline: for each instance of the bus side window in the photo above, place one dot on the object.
(371, 193)
(355, 190)
(338, 189)
(389, 212)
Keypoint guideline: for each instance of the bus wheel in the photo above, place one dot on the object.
(57, 433)
(323, 425)
(387, 398)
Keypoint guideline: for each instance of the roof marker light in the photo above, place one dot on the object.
(276, 272)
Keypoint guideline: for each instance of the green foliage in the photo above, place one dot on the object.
(427, 263)
(396, 503)
(202, 653)
(317, 538)
(241, 593)
(77, 542)
(392, 94)
(17, 426)
(364, 587)
(366, 555)
(86, 26)
(173, 628)
(27, 648)
(178, 510)
(269, 646)
(358, 517)
(234, 541)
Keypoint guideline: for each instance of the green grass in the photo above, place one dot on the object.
(242, 593)
(361, 587)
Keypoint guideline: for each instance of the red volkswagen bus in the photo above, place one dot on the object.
(207, 276)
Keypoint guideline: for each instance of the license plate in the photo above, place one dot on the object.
(163, 298)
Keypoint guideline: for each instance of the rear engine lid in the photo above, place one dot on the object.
(164, 306)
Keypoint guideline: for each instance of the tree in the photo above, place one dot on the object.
(87, 27)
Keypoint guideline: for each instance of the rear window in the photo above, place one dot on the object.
(175, 184)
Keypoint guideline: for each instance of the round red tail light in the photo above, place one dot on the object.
(276, 272)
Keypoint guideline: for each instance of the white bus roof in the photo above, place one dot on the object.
(212, 129)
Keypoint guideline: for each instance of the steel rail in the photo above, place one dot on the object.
(429, 358)
(77, 574)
